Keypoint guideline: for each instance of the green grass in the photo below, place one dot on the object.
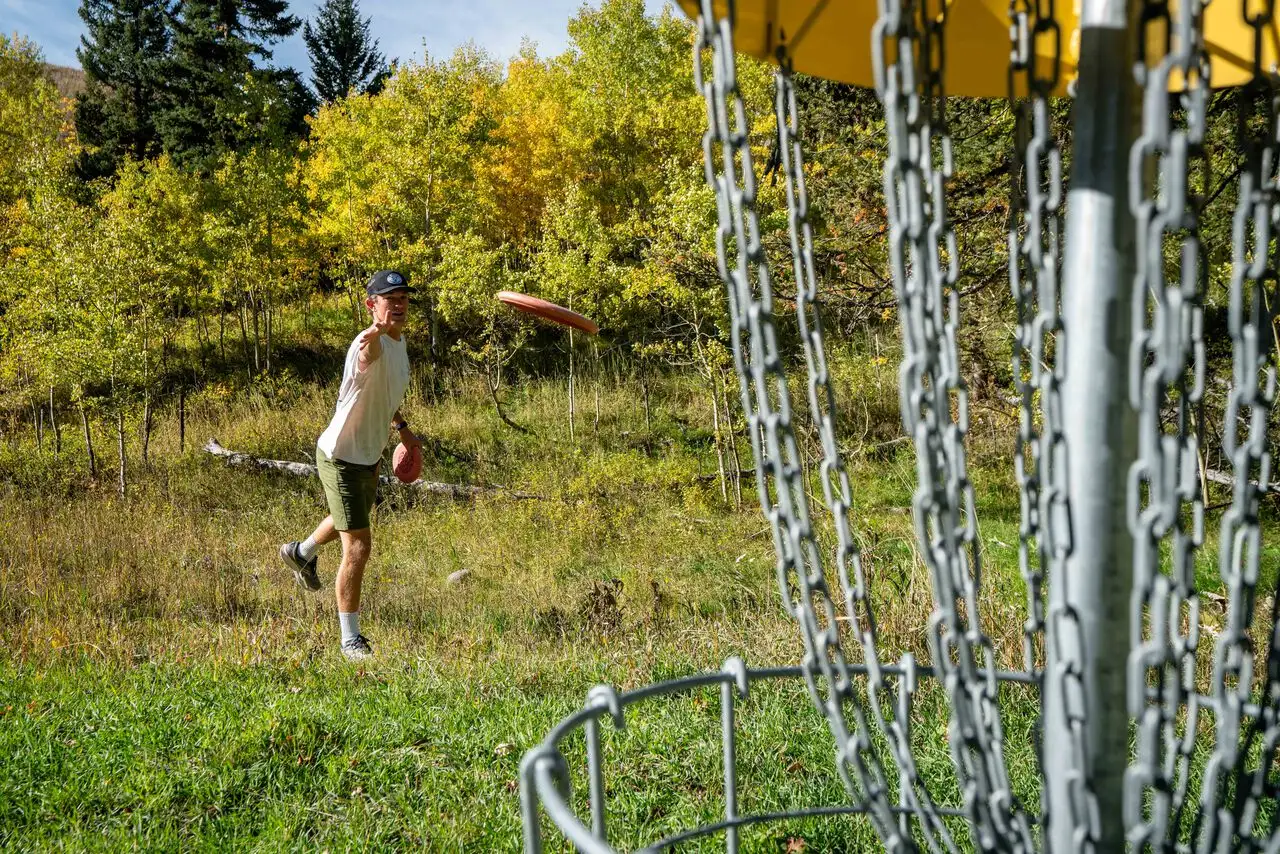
(164, 685)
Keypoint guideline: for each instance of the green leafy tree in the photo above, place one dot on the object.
(260, 208)
(344, 54)
(35, 178)
(632, 105)
(389, 176)
(31, 151)
(217, 45)
(123, 54)
(468, 274)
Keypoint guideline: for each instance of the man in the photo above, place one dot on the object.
(374, 378)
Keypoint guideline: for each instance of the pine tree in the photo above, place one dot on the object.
(213, 92)
(344, 56)
(123, 55)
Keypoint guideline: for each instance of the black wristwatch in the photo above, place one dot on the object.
(400, 426)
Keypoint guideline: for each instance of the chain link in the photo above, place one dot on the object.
(835, 478)
(1168, 172)
(1230, 793)
(767, 405)
(1034, 266)
(1039, 362)
(909, 59)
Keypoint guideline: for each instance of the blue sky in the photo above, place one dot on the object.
(401, 26)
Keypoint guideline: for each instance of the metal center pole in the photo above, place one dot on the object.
(1086, 723)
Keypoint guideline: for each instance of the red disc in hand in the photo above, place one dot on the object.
(407, 464)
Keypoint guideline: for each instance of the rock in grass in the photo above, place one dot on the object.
(459, 576)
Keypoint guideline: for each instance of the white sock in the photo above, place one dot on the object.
(350, 624)
(307, 548)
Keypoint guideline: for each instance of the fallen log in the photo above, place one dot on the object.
(1227, 480)
(451, 490)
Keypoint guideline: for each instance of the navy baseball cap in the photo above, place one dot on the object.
(386, 281)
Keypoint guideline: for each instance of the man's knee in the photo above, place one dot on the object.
(356, 546)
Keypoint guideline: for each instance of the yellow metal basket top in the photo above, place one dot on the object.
(832, 39)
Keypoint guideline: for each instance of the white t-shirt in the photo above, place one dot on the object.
(366, 402)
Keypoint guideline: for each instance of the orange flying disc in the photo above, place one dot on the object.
(549, 311)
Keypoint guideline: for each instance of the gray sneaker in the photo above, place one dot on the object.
(357, 648)
(304, 571)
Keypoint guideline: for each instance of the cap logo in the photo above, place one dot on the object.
(395, 279)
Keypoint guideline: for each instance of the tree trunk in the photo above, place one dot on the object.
(256, 307)
(182, 418)
(37, 424)
(202, 335)
(244, 340)
(435, 333)
(715, 427)
(595, 373)
(53, 422)
(222, 334)
(733, 443)
(146, 429)
(571, 378)
(493, 381)
(271, 267)
(124, 482)
(88, 442)
(355, 309)
(644, 390)
(266, 302)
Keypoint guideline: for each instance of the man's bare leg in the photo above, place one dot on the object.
(324, 532)
(356, 546)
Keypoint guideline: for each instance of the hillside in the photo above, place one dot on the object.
(70, 81)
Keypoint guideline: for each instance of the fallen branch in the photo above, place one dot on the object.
(1227, 480)
(452, 490)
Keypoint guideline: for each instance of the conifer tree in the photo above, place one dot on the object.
(344, 55)
(123, 55)
(210, 103)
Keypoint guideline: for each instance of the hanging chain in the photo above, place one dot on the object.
(1166, 374)
(1039, 362)
(908, 51)
(836, 488)
(1231, 793)
(1034, 265)
(767, 405)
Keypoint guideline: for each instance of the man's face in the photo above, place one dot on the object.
(390, 310)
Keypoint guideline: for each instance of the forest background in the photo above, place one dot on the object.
(182, 227)
(178, 230)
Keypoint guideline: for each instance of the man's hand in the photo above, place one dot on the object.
(371, 344)
(409, 439)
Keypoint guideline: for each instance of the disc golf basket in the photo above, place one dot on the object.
(1109, 372)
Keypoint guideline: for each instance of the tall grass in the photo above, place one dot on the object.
(163, 683)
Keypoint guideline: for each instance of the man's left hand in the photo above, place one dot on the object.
(409, 439)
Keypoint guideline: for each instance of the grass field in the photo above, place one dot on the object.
(164, 685)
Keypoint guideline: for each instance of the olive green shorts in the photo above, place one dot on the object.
(350, 489)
